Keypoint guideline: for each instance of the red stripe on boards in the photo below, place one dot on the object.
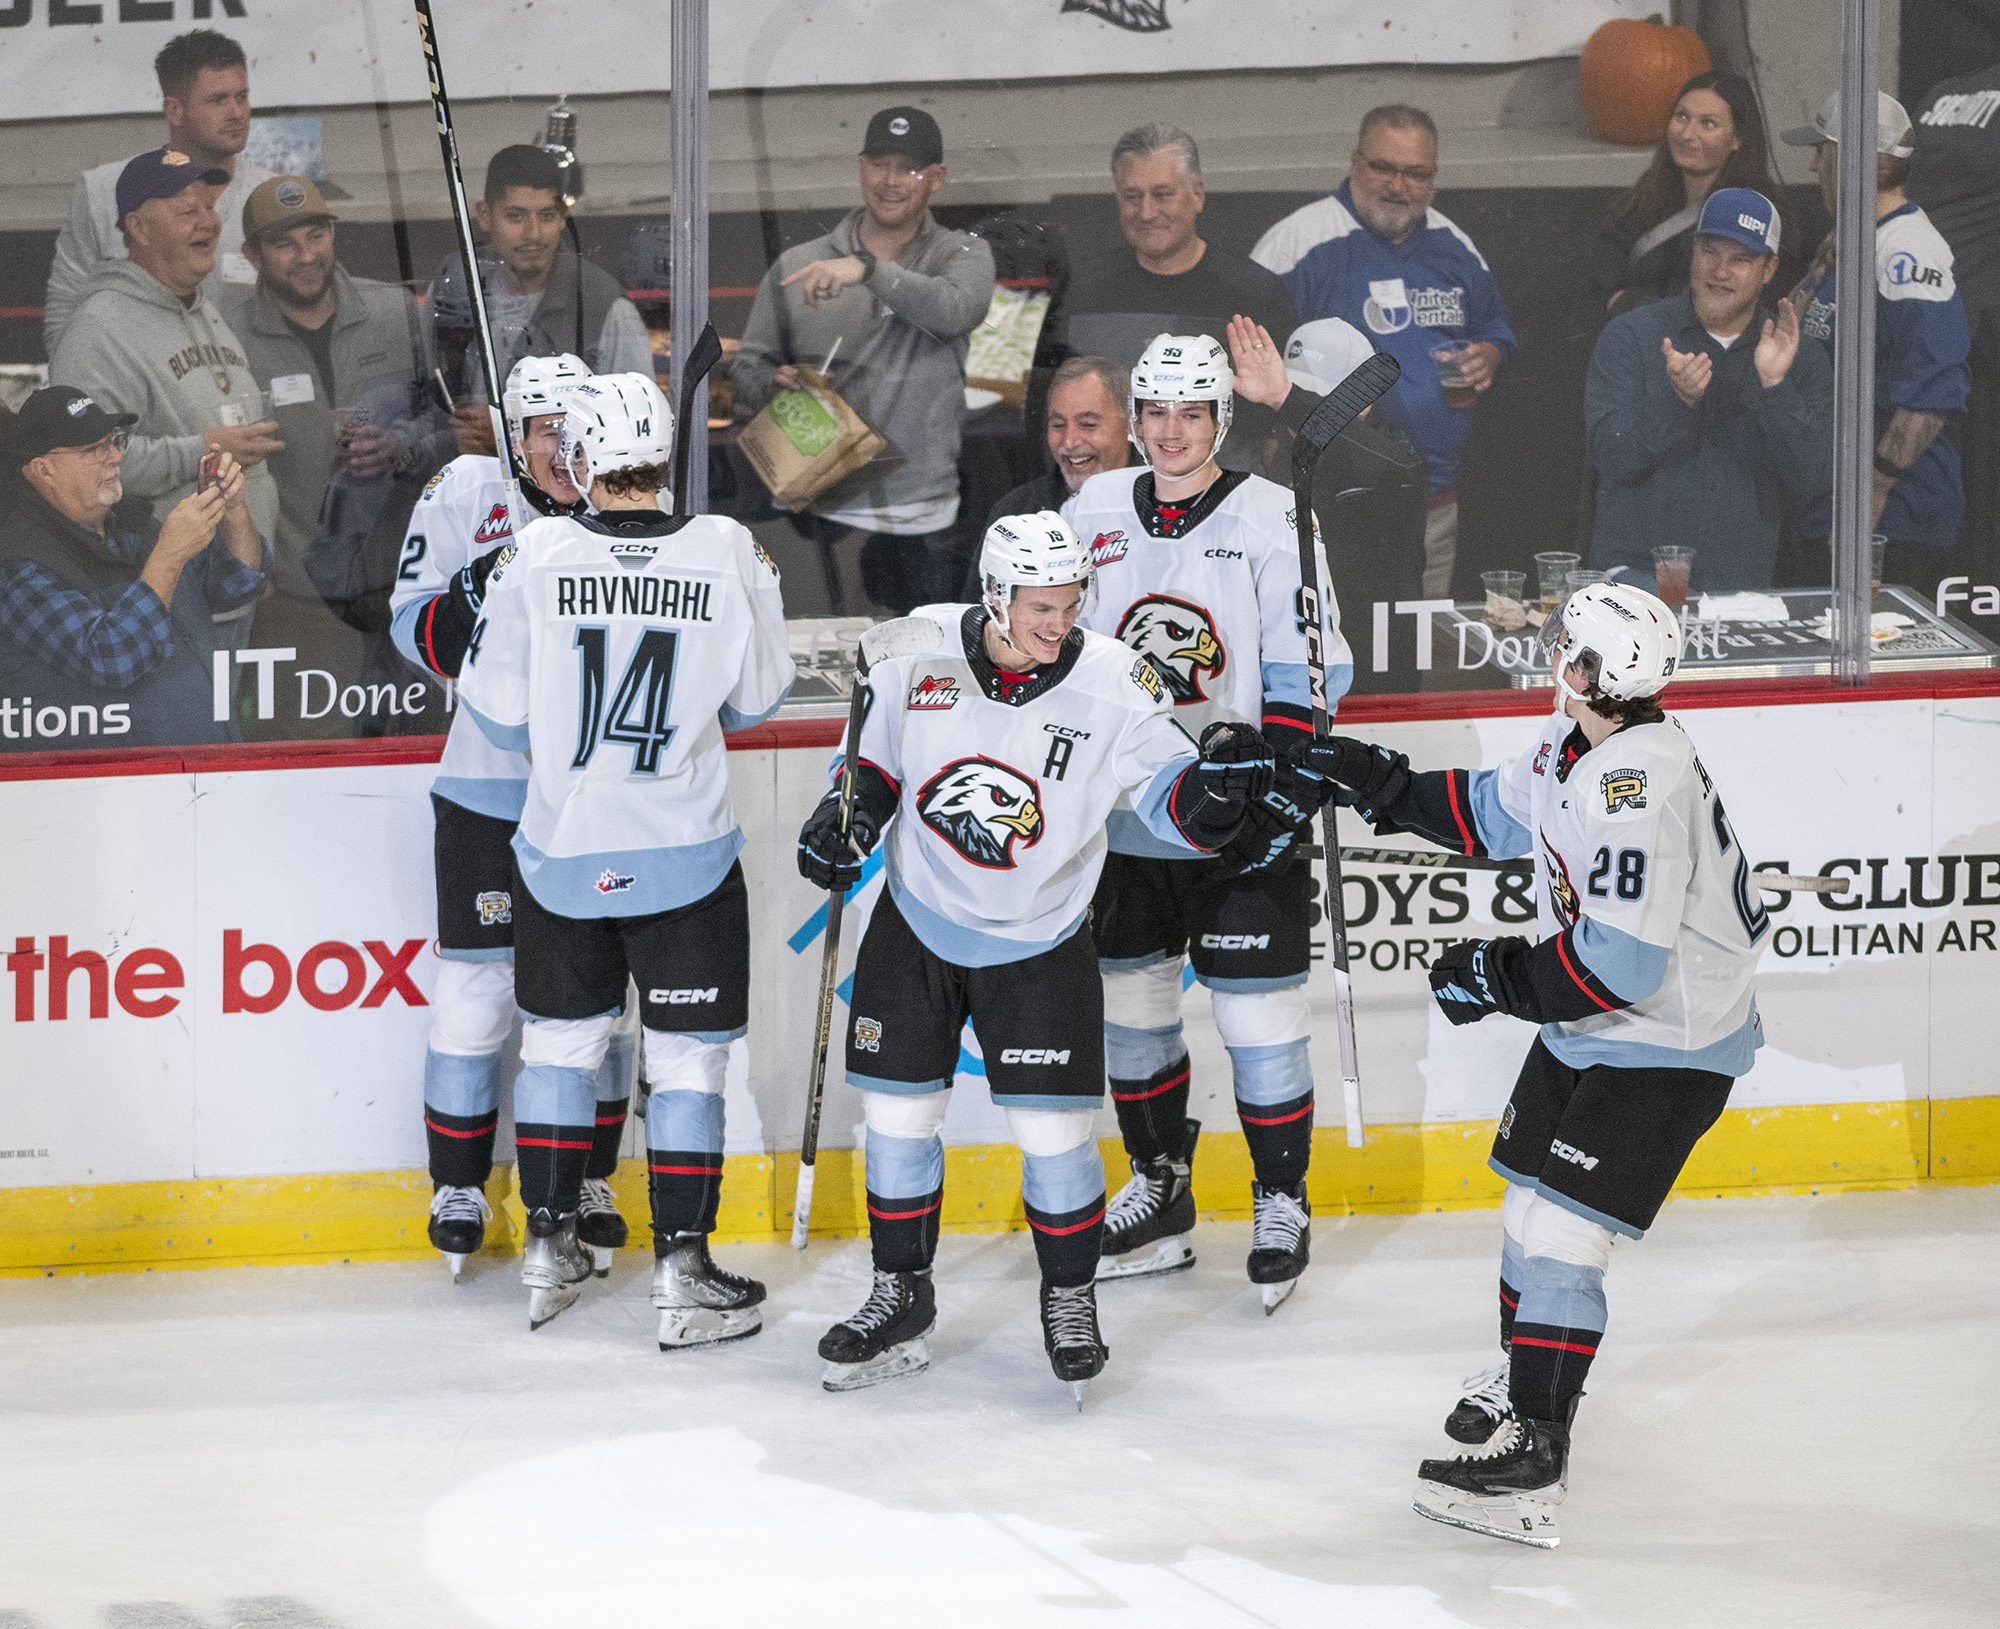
(1164, 1086)
(1555, 1346)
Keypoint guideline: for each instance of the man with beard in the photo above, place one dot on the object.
(1699, 408)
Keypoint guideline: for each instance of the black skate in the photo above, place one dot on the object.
(1482, 1409)
(458, 1225)
(699, 1303)
(1509, 1494)
(886, 1338)
(599, 1225)
(554, 1266)
(1070, 1335)
(1147, 1223)
(1280, 1241)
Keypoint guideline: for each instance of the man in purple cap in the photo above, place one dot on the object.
(1699, 409)
(146, 340)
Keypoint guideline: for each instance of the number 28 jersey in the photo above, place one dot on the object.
(615, 650)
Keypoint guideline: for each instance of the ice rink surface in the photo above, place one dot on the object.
(1792, 1423)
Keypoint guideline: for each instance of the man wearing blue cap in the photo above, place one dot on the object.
(1701, 408)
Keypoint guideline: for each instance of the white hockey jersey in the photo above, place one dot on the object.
(616, 653)
(999, 833)
(461, 515)
(1216, 610)
(1634, 853)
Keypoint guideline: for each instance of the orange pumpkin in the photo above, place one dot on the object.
(1631, 73)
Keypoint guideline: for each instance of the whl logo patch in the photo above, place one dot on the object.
(495, 526)
(934, 691)
(1108, 548)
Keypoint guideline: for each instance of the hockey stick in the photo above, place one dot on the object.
(706, 352)
(905, 636)
(1352, 397)
(454, 177)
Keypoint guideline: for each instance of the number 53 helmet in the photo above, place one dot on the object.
(1184, 368)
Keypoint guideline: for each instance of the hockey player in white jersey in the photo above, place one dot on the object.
(456, 531)
(615, 649)
(1641, 982)
(998, 759)
(1198, 570)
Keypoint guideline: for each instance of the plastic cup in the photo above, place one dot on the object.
(1583, 579)
(1673, 566)
(1506, 594)
(1877, 546)
(1552, 570)
(1449, 355)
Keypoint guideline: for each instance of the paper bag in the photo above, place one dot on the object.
(806, 440)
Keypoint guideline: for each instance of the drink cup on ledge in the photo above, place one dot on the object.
(1878, 545)
(1583, 579)
(1673, 566)
(1506, 595)
(1552, 571)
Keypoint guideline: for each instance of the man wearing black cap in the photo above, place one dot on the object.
(900, 295)
(109, 618)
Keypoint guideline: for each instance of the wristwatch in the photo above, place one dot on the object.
(867, 263)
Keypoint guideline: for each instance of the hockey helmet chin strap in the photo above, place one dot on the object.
(1567, 654)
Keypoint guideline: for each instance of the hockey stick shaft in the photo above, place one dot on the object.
(706, 352)
(454, 178)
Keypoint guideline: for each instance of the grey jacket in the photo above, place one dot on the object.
(137, 348)
(901, 365)
(381, 367)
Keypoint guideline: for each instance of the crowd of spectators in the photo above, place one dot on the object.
(237, 424)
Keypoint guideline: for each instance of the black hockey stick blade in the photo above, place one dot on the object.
(1347, 401)
(706, 353)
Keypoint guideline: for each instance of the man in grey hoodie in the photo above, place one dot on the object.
(901, 295)
(145, 340)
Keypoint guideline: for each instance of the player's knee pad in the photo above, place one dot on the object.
(1513, 1211)
(1045, 1133)
(908, 1115)
(904, 1147)
(472, 1008)
(1262, 1017)
(681, 1063)
(1144, 997)
(566, 1043)
(1551, 1232)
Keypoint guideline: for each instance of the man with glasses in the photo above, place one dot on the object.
(1377, 255)
(900, 295)
(109, 618)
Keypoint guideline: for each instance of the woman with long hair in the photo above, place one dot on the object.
(1715, 138)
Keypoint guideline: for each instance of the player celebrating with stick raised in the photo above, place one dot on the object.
(615, 649)
(999, 758)
(1198, 571)
(1641, 984)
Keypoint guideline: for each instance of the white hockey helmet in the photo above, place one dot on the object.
(616, 421)
(1032, 551)
(1619, 640)
(1183, 368)
(539, 385)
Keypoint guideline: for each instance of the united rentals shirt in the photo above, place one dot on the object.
(615, 651)
(1408, 297)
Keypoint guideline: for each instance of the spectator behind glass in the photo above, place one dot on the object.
(542, 298)
(1173, 281)
(1379, 257)
(1714, 138)
(901, 296)
(205, 98)
(347, 366)
(1921, 349)
(145, 339)
(109, 617)
(1699, 408)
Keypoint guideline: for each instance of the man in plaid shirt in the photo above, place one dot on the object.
(109, 619)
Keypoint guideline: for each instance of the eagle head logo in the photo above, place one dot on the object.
(1178, 638)
(1561, 890)
(982, 808)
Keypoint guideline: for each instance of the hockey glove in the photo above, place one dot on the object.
(1476, 976)
(826, 862)
(1234, 771)
(1365, 777)
(1277, 827)
(444, 626)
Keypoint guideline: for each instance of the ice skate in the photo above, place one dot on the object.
(1070, 1335)
(1482, 1409)
(1280, 1241)
(458, 1225)
(1147, 1223)
(699, 1303)
(554, 1267)
(886, 1339)
(599, 1225)
(1510, 1494)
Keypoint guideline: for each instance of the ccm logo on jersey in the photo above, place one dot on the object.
(982, 808)
(1108, 548)
(1235, 941)
(495, 526)
(633, 551)
(1177, 637)
(1624, 789)
(936, 691)
(494, 907)
(683, 998)
(1035, 1054)
(1575, 1156)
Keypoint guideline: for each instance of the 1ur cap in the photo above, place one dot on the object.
(283, 201)
(60, 416)
(1743, 216)
(1893, 134)
(908, 131)
(162, 173)
(1321, 354)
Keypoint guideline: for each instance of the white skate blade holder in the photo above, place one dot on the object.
(457, 1265)
(684, 1327)
(1519, 1518)
(600, 1256)
(544, 1304)
(905, 1358)
(1276, 1295)
(1169, 1255)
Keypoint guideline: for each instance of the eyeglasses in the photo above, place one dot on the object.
(1418, 175)
(116, 442)
(890, 169)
